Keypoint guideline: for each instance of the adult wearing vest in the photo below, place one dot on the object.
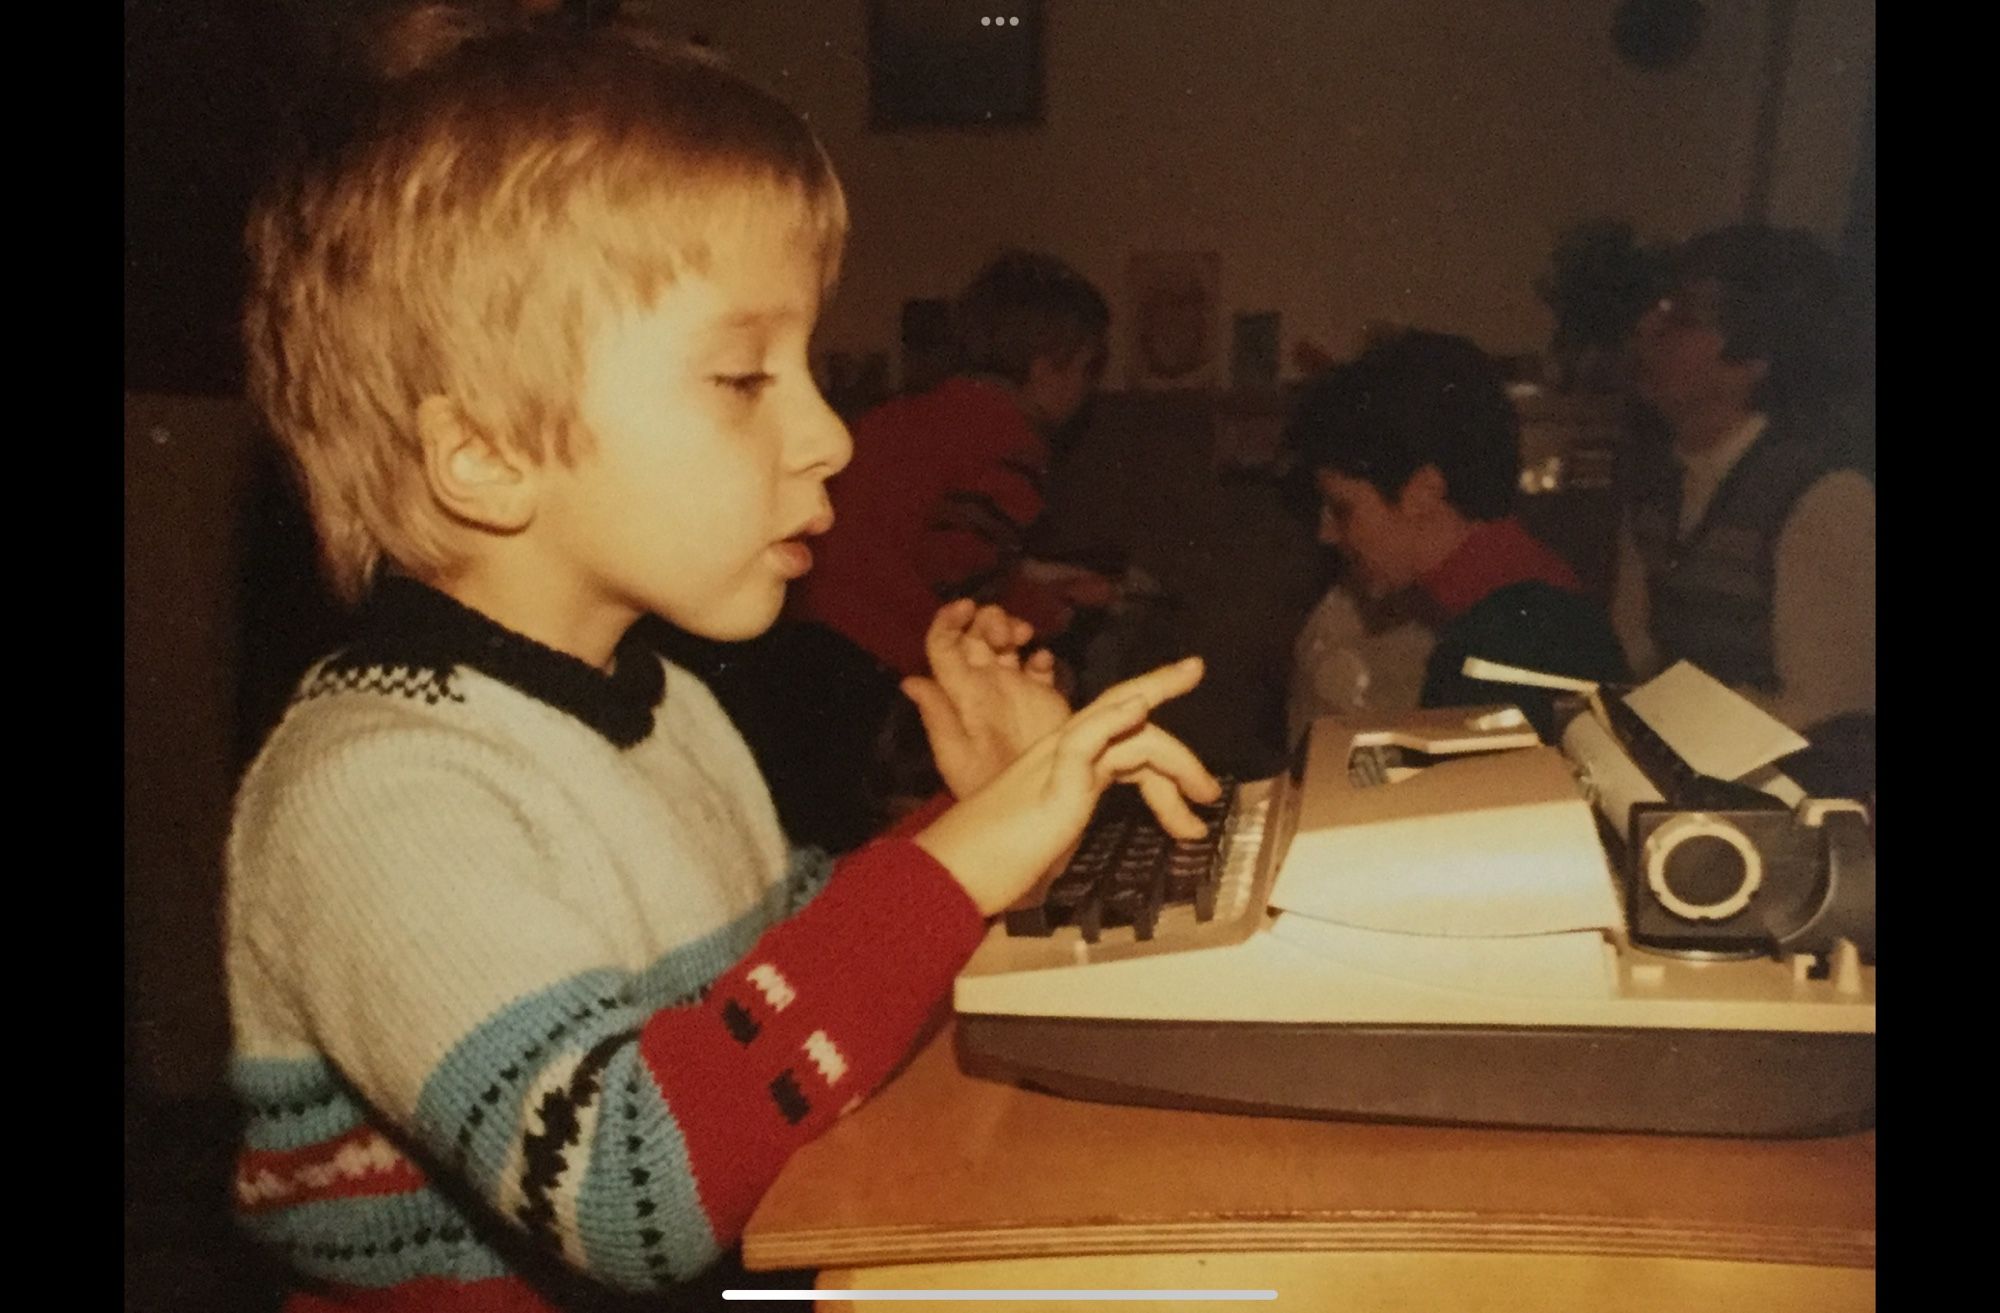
(1748, 543)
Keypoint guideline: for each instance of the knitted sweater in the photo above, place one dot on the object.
(1505, 596)
(524, 979)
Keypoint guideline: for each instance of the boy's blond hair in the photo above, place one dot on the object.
(507, 190)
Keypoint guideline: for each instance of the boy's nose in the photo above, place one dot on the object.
(821, 443)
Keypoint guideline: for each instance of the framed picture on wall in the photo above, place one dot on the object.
(1176, 308)
(954, 63)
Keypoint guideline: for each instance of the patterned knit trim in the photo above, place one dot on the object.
(427, 686)
(751, 1005)
(474, 1104)
(562, 1116)
(807, 871)
(411, 639)
(291, 1103)
(358, 1163)
(551, 1114)
(665, 1233)
(377, 1241)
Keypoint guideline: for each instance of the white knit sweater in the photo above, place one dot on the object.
(478, 894)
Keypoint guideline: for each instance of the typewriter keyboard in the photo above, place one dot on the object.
(1128, 869)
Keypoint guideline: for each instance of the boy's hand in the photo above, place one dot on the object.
(983, 704)
(999, 841)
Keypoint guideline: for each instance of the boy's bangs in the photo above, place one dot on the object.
(810, 213)
(653, 243)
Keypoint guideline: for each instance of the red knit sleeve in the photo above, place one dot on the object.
(810, 1021)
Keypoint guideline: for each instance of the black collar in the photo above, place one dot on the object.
(409, 626)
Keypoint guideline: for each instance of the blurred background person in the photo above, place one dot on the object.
(1748, 541)
(1414, 451)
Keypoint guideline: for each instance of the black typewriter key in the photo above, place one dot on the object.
(1070, 890)
(1148, 914)
(1184, 872)
(1121, 894)
(1205, 854)
(1033, 922)
(1058, 903)
(1208, 886)
(1090, 918)
(1204, 899)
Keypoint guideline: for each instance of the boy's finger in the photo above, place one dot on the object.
(1082, 742)
(941, 640)
(1160, 685)
(934, 709)
(954, 616)
(1153, 751)
(994, 627)
(1169, 807)
(1041, 667)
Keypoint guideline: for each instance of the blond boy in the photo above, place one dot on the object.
(532, 1000)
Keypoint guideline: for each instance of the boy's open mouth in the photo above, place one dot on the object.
(793, 555)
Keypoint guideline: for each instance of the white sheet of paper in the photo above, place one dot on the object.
(1716, 729)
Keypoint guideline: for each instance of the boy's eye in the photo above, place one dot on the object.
(748, 385)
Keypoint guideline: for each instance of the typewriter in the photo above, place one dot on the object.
(1441, 919)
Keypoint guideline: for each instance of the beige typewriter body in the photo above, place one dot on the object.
(1468, 898)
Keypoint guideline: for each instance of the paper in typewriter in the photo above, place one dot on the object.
(1490, 844)
(1715, 729)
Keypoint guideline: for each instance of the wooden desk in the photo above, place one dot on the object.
(944, 1181)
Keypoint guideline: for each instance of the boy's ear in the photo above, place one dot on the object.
(471, 476)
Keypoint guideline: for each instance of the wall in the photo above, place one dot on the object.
(187, 476)
(1409, 160)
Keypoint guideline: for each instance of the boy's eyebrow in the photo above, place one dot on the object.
(763, 318)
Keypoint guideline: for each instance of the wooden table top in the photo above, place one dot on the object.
(940, 1166)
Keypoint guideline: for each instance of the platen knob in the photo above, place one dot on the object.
(1702, 868)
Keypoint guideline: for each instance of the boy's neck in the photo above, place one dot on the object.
(590, 634)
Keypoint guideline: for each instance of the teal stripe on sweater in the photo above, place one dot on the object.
(806, 873)
(292, 1102)
(377, 1241)
(639, 1193)
(471, 1109)
(680, 976)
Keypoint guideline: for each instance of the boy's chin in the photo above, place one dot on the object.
(738, 624)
